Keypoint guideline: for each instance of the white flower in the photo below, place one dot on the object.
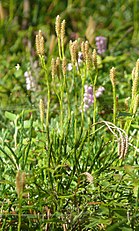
(30, 83)
(17, 66)
(69, 67)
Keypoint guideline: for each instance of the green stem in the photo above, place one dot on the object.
(11, 9)
(48, 111)
(95, 102)
(20, 213)
(135, 15)
(114, 104)
(59, 48)
(82, 104)
(75, 101)
(63, 52)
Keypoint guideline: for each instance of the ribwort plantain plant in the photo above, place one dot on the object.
(76, 168)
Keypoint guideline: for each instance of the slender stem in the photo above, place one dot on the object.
(135, 14)
(48, 111)
(63, 52)
(75, 101)
(95, 102)
(59, 48)
(20, 212)
(11, 9)
(82, 104)
(114, 104)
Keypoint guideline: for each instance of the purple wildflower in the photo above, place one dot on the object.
(88, 95)
(100, 91)
(101, 44)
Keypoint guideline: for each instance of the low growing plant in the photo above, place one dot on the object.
(71, 166)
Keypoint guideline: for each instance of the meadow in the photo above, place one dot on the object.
(69, 138)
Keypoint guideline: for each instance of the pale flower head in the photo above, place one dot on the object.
(17, 66)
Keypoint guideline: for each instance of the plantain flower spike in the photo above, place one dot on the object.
(53, 68)
(135, 78)
(58, 26)
(40, 43)
(20, 182)
(64, 66)
(94, 57)
(112, 76)
(63, 31)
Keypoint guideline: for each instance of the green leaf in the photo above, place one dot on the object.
(123, 113)
(10, 116)
(27, 123)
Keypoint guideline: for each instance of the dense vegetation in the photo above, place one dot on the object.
(69, 139)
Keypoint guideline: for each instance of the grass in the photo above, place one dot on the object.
(63, 167)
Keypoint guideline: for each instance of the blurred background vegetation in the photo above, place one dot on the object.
(21, 20)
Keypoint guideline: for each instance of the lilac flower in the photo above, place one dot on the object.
(100, 91)
(30, 83)
(101, 44)
(88, 95)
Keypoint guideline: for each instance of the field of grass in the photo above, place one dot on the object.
(69, 122)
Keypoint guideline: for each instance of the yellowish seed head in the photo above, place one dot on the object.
(58, 26)
(40, 43)
(20, 182)
(135, 79)
(83, 49)
(136, 103)
(64, 66)
(63, 31)
(73, 51)
(58, 66)
(86, 48)
(53, 68)
(112, 76)
(94, 57)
